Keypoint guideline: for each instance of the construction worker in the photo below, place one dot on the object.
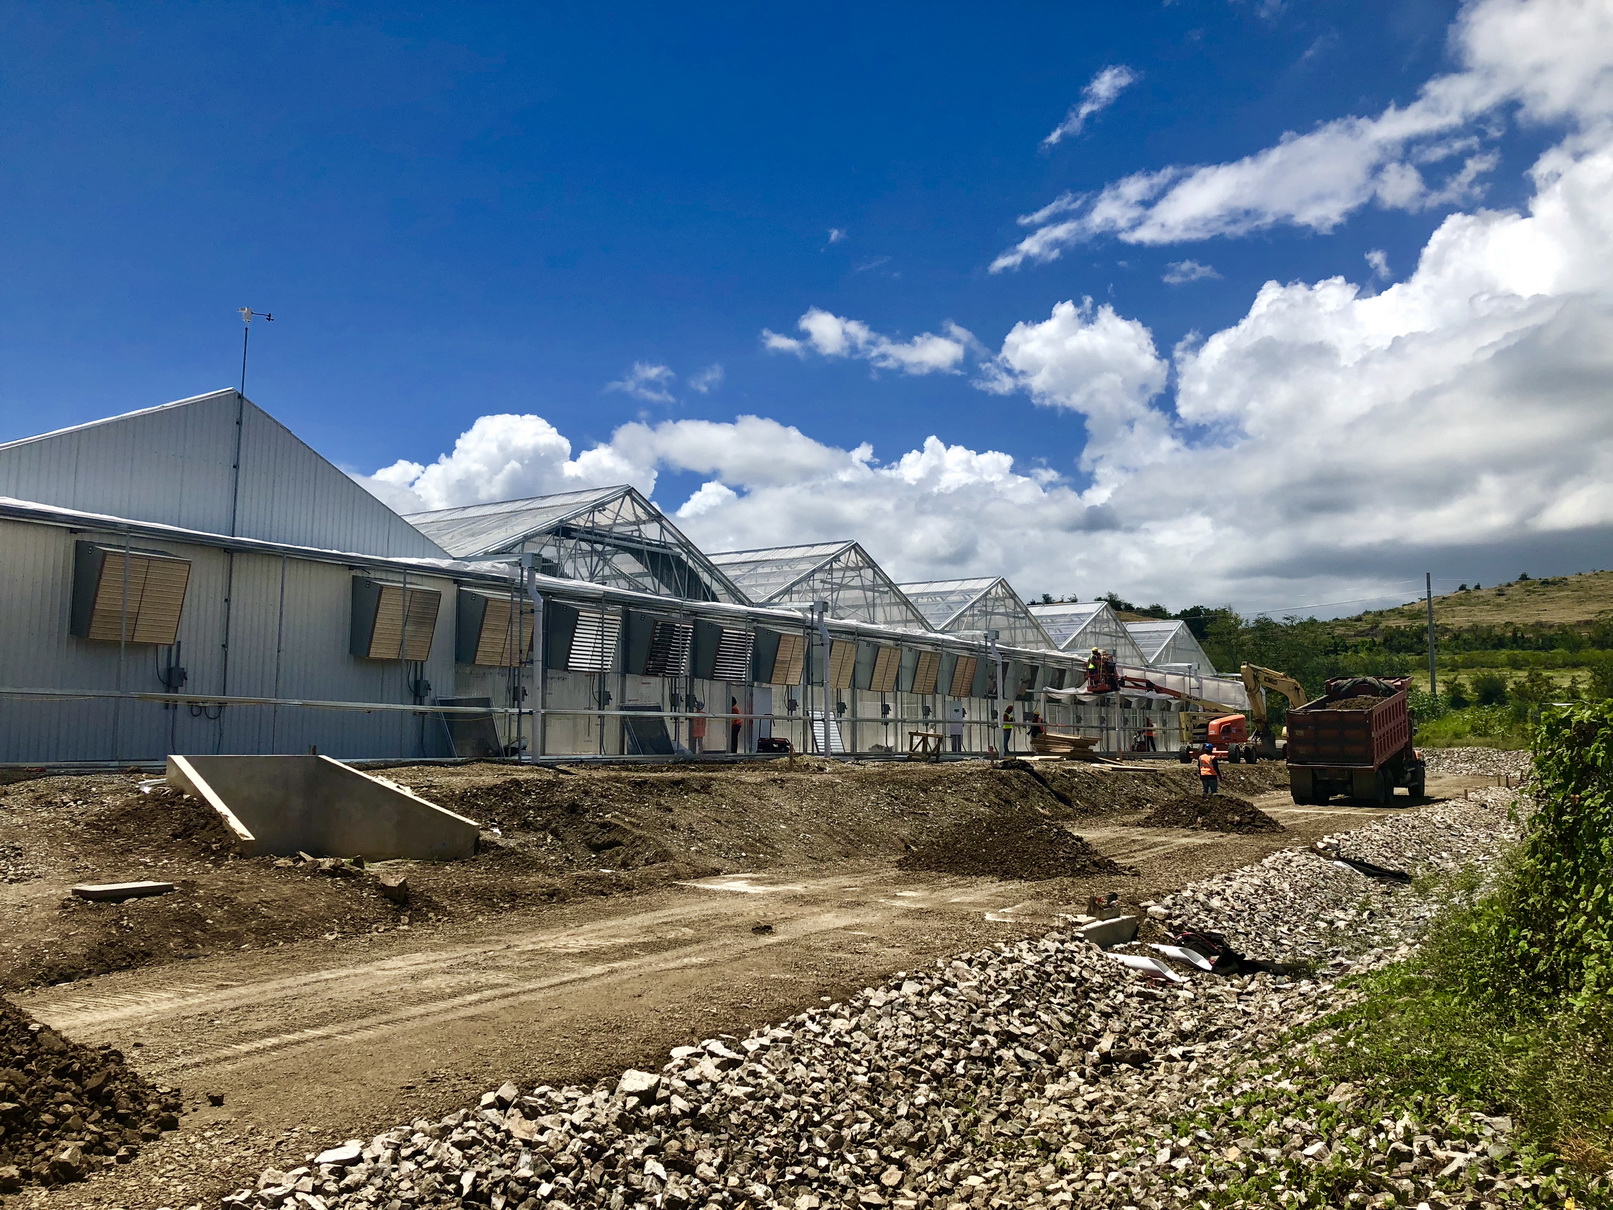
(1209, 771)
(955, 728)
(1149, 743)
(1095, 670)
(737, 725)
(1008, 730)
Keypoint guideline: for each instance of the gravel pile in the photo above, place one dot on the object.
(67, 1110)
(1020, 844)
(1211, 813)
(14, 867)
(1043, 1073)
(1477, 762)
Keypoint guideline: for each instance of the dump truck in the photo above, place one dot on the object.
(1354, 740)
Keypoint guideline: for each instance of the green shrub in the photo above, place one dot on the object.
(1489, 689)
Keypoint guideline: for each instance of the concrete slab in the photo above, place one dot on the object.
(118, 891)
(1106, 933)
(281, 805)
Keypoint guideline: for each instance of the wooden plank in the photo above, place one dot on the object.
(117, 891)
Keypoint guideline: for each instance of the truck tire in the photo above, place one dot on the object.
(1417, 787)
(1385, 788)
(1249, 754)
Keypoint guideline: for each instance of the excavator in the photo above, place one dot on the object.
(1247, 737)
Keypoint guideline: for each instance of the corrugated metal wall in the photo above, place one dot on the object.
(288, 638)
(174, 466)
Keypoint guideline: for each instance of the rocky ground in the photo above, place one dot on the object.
(1044, 1072)
(68, 1110)
(550, 836)
(1484, 762)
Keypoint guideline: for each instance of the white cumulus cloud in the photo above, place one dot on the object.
(835, 336)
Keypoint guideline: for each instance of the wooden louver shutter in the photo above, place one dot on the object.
(498, 643)
(963, 677)
(138, 596)
(842, 663)
(925, 672)
(790, 663)
(404, 623)
(887, 663)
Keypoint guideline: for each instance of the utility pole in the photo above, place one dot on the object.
(1433, 684)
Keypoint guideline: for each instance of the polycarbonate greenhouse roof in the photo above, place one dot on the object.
(1169, 642)
(985, 603)
(610, 535)
(1080, 627)
(841, 573)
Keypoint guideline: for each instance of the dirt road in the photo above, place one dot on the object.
(316, 1041)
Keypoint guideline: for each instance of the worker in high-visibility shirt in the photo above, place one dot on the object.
(1209, 771)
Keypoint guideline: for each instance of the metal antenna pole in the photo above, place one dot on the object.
(247, 316)
(1433, 684)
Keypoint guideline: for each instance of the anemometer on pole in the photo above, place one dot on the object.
(247, 316)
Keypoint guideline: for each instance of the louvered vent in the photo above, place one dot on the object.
(790, 662)
(393, 623)
(497, 642)
(963, 677)
(733, 656)
(925, 671)
(128, 596)
(887, 663)
(842, 663)
(593, 642)
(669, 649)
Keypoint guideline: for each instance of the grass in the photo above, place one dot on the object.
(1474, 727)
(1560, 600)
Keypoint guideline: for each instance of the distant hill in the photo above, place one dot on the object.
(1578, 601)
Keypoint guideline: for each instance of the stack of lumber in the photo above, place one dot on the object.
(1071, 747)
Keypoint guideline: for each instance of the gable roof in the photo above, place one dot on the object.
(1094, 624)
(983, 603)
(841, 573)
(606, 535)
(214, 463)
(1169, 642)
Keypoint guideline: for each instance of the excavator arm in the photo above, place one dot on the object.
(1256, 680)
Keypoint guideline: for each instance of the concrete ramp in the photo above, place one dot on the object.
(280, 805)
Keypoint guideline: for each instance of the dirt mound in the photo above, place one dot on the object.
(1211, 813)
(1018, 845)
(1352, 703)
(68, 1110)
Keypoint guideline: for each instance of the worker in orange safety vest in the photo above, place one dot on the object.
(1209, 771)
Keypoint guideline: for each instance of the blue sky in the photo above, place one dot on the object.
(501, 208)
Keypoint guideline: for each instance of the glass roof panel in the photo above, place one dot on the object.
(988, 603)
(1169, 642)
(605, 536)
(841, 573)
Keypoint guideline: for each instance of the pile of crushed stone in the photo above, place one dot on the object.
(1019, 845)
(14, 867)
(1211, 813)
(67, 1110)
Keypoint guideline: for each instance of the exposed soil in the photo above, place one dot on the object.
(322, 1040)
(68, 1110)
(1352, 703)
(550, 836)
(1211, 812)
(1021, 845)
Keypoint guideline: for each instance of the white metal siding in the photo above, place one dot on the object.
(302, 655)
(174, 465)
